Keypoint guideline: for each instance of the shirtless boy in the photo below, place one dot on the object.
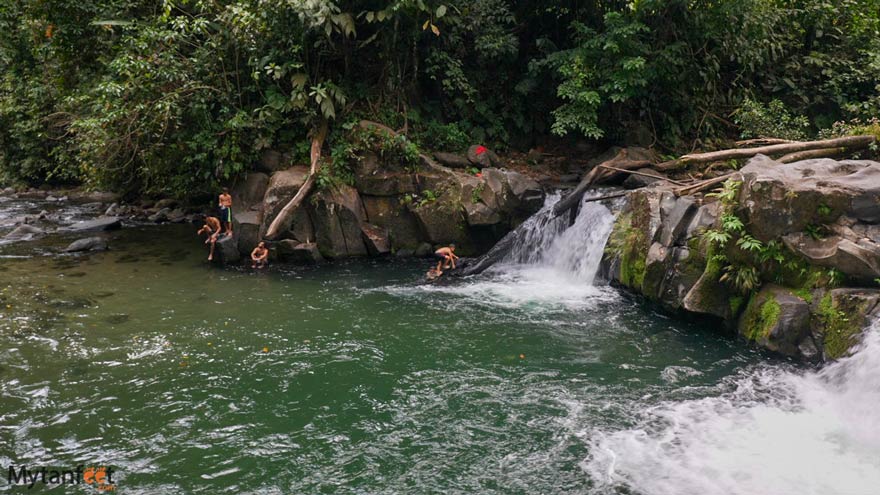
(447, 256)
(212, 228)
(225, 203)
(260, 256)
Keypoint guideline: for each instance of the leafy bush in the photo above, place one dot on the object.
(773, 120)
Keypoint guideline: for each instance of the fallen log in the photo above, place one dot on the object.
(609, 196)
(315, 154)
(598, 173)
(636, 172)
(807, 155)
(849, 142)
(703, 185)
(761, 142)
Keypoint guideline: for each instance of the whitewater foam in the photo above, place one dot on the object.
(778, 431)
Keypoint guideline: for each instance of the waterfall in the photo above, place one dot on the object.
(548, 241)
(776, 430)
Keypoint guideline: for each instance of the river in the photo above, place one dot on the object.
(355, 377)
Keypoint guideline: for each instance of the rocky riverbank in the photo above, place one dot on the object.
(388, 209)
(785, 255)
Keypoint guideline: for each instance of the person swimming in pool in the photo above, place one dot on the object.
(212, 228)
(224, 201)
(260, 256)
(447, 256)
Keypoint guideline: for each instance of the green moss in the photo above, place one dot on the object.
(841, 331)
(736, 303)
(628, 243)
(804, 293)
(760, 318)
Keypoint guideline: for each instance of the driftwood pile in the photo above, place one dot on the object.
(781, 150)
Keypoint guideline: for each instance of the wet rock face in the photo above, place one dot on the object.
(796, 200)
(282, 187)
(822, 213)
(777, 320)
(338, 215)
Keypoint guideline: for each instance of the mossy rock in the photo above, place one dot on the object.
(840, 317)
(776, 320)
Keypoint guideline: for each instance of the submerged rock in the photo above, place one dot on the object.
(101, 223)
(87, 244)
(24, 232)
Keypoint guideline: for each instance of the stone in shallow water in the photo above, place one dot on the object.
(102, 223)
(87, 244)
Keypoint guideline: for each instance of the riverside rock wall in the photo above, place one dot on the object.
(787, 255)
(390, 209)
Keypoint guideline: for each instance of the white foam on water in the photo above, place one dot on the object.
(551, 266)
(778, 432)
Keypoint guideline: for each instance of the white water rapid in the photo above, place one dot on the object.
(776, 431)
(549, 266)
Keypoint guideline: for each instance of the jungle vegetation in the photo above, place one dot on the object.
(178, 96)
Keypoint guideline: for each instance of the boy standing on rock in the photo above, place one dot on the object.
(225, 204)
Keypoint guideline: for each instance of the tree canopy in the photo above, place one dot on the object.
(178, 96)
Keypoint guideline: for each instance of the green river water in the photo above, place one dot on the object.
(355, 377)
(346, 378)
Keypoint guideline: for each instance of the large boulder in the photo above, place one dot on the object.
(781, 199)
(226, 250)
(389, 213)
(376, 239)
(302, 253)
(840, 316)
(338, 215)
(859, 260)
(777, 320)
(98, 224)
(87, 244)
(479, 214)
(250, 192)
(247, 230)
(452, 160)
(384, 183)
(272, 161)
(482, 157)
(528, 193)
(442, 220)
(282, 187)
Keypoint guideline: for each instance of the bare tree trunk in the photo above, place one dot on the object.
(806, 155)
(849, 142)
(703, 185)
(600, 172)
(760, 142)
(315, 155)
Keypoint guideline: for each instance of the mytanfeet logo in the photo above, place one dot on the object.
(101, 477)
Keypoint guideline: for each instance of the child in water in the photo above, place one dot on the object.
(260, 256)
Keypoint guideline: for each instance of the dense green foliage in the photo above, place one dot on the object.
(177, 96)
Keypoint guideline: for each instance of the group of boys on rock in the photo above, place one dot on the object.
(215, 227)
